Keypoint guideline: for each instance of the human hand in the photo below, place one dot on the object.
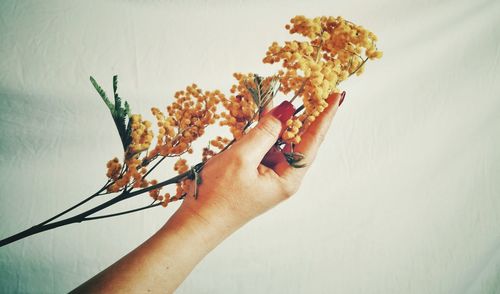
(250, 178)
(238, 184)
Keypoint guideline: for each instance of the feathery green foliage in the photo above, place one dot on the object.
(120, 114)
(262, 94)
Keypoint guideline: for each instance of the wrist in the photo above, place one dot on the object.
(211, 230)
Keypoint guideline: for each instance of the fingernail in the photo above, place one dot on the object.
(342, 96)
(283, 112)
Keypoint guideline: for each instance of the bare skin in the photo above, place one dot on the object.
(239, 184)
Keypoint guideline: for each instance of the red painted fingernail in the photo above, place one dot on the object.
(342, 96)
(283, 112)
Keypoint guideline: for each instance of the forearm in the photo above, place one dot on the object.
(162, 262)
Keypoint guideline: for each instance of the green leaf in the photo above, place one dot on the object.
(121, 115)
(263, 95)
(118, 100)
(255, 95)
(258, 88)
(115, 84)
(102, 94)
(127, 109)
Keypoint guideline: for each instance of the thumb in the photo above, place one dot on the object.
(257, 142)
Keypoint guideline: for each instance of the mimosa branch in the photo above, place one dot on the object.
(193, 110)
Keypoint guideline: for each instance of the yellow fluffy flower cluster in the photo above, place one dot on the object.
(114, 168)
(240, 105)
(142, 135)
(181, 166)
(131, 176)
(335, 50)
(186, 120)
(207, 153)
(155, 194)
(192, 111)
(292, 130)
(219, 142)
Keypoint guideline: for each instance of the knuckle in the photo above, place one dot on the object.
(238, 159)
(270, 127)
(289, 188)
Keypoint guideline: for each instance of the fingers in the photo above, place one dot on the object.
(256, 143)
(312, 138)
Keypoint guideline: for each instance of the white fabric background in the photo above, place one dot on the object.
(404, 196)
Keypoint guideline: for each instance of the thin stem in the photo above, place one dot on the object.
(364, 61)
(353, 53)
(77, 205)
(153, 167)
(147, 173)
(299, 109)
(75, 219)
(300, 90)
(81, 217)
(104, 193)
(122, 213)
(173, 180)
(319, 48)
